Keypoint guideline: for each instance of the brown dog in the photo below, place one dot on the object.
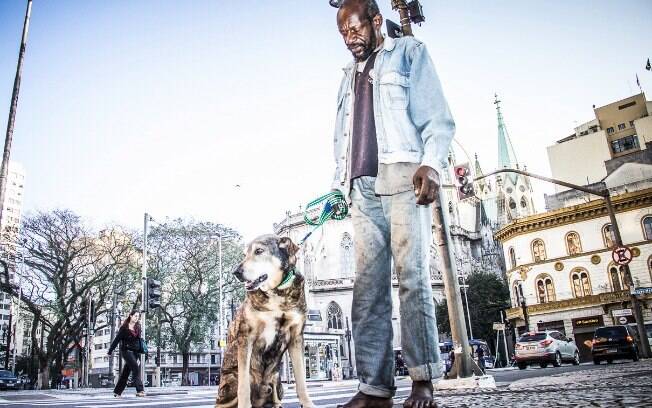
(269, 322)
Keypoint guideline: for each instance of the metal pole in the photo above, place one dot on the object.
(4, 168)
(464, 366)
(507, 356)
(466, 300)
(143, 315)
(526, 318)
(112, 336)
(20, 295)
(219, 327)
(636, 305)
(88, 341)
(8, 333)
(348, 343)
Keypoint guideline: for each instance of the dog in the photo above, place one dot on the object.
(269, 323)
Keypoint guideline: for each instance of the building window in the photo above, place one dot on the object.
(523, 202)
(512, 257)
(610, 130)
(649, 266)
(580, 283)
(618, 279)
(621, 126)
(512, 204)
(545, 289)
(631, 123)
(517, 295)
(538, 250)
(573, 243)
(334, 316)
(608, 235)
(624, 144)
(647, 227)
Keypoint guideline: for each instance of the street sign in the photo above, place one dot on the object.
(622, 320)
(621, 312)
(643, 291)
(622, 255)
(499, 326)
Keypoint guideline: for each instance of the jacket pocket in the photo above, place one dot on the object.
(394, 89)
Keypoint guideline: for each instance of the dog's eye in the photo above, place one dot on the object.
(259, 251)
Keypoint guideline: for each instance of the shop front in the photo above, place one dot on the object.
(323, 356)
(557, 325)
(583, 329)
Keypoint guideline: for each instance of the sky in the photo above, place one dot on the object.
(224, 110)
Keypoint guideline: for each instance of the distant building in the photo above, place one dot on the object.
(562, 258)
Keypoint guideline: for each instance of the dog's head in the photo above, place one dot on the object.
(268, 259)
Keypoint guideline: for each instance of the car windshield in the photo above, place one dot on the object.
(532, 337)
(5, 373)
(615, 331)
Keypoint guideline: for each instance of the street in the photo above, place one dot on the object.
(584, 385)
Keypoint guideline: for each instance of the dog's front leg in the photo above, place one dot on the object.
(244, 374)
(296, 355)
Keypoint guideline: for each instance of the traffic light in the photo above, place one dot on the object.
(93, 313)
(464, 181)
(83, 311)
(153, 294)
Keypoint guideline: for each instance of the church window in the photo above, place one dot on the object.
(618, 279)
(647, 227)
(509, 190)
(522, 188)
(538, 250)
(334, 316)
(517, 295)
(545, 289)
(573, 243)
(512, 257)
(608, 235)
(512, 204)
(580, 282)
(523, 202)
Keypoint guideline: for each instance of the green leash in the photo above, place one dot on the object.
(335, 208)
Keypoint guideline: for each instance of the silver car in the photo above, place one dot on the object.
(545, 347)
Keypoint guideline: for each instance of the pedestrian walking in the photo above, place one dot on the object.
(480, 353)
(392, 136)
(130, 349)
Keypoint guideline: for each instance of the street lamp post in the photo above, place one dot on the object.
(604, 193)
(347, 334)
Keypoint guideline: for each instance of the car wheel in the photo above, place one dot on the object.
(596, 361)
(543, 365)
(576, 358)
(557, 362)
(522, 366)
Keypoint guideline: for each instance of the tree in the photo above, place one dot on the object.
(66, 265)
(487, 295)
(184, 256)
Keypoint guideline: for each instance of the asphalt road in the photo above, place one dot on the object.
(323, 395)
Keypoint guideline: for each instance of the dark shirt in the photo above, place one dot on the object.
(128, 340)
(364, 146)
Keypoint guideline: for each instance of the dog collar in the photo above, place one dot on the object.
(287, 282)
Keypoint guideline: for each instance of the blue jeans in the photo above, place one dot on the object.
(392, 227)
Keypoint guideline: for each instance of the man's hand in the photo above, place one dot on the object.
(426, 185)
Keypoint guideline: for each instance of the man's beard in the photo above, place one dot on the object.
(367, 48)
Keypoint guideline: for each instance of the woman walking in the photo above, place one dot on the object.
(129, 339)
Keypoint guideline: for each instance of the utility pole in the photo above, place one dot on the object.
(4, 168)
(606, 195)
(219, 295)
(88, 341)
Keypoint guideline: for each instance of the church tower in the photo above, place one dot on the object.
(513, 191)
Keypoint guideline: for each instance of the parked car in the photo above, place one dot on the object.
(8, 381)
(545, 347)
(612, 342)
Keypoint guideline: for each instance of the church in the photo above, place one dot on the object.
(327, 258)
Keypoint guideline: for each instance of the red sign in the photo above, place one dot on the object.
(621, 255)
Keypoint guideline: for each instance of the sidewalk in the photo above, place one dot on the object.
(608, 386)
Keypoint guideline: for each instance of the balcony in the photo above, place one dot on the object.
(568, 304)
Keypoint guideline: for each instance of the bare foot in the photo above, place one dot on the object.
(421, 396)
(361, 400)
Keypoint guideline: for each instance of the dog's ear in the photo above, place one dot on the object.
(288, 246)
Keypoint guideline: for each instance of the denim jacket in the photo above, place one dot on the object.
(413, 122)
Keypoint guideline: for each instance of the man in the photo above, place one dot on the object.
(392, 135)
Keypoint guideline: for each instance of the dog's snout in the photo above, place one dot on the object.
(239, 273)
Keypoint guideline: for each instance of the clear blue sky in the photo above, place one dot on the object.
(165, 106)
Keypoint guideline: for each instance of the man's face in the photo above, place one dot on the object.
(358, 33)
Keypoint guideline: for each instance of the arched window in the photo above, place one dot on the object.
(617, 277)
(647, 227)
(334, 316)
(523, 203)
(538, 250)
(347, 255)
(608, 235)
(512, 257)
(580, 282)
(512, 204)
(517, 295)
(573, 244)
(649, 266)
(545, 289)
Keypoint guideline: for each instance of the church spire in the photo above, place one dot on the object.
(506, 155)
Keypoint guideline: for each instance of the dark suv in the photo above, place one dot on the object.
(612, 342)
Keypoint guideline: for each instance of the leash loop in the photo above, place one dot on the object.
(335, 208)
